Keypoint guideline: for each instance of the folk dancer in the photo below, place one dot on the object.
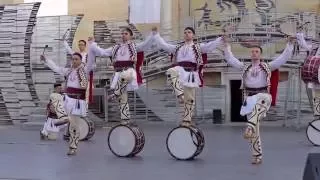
(82, 45)
(186, 74)
(76, 85)
(315, 53)
(56, 114)
(255, 84)
(126, 62)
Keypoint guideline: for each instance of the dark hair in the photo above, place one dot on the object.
(191, 29)
(128, 30)
(56, 85)
(85, 43)
(256, 46)
(77, 54)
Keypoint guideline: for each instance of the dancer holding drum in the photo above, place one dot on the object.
(56, 115)
(125, 139)
(310, 75)
(82, 45)
(184, 77)
(255, 84)
(76, 85)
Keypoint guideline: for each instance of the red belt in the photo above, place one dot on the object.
(76, 93)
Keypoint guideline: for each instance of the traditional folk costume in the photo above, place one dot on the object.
(89, 92)
(56, 117)
(126, 63)
(256, 93)
(311, 77)
(187, 72)
(75, 97)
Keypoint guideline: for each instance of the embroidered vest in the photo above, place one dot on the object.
(82, 76)
(196, 49)
(132, 51)
(264, 66)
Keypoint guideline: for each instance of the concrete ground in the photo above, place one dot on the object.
(226, 156)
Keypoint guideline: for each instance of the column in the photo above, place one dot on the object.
(166, 19)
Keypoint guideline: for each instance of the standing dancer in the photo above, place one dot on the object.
(255, 84)
(186, 75)
(82, 45)
(76, 85)
(56, 115)
(126, 63)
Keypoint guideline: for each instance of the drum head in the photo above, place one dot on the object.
(313, 132)
(121, 140)
(84, 128)
(182, 143)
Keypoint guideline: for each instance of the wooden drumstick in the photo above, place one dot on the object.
(64, 36)
(44, 49)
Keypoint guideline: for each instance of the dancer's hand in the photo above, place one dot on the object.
(91, 39)
(291, 39)
(43, 58)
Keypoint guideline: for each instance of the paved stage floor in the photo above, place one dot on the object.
(226, 156)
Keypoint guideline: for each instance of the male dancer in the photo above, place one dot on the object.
(255, 84)
(127, 76)
(55, 113)
(186, 76)
(315, 52)
(76, 85)
(82, 45)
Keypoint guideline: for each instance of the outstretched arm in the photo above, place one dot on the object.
(98, 51)
(60, 70)
(302, 42)
(163, 44)
(146, 43)
(210, 46)
(67, 47)
(280, 60)
(234, 62)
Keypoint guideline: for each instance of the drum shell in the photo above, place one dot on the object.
(138, 144)
(200, 141)
(310, 70)
(314, 128)
(91, 130)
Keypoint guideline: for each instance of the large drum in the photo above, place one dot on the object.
(310, 70)
(87, 129)
(313, 132)
(126, 140)
(185, 143)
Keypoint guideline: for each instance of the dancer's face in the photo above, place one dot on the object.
(188, 35)
(76, 61)
(126, 35)
(255, 53)
(82, 46)
(58, 89)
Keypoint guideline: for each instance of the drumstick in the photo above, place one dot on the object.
(64, 35)
(44, 49)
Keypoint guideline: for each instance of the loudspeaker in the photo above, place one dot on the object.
(217, 116)
(312, 167)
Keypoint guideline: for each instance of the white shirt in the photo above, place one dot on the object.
(70, 51)
(123, 53)
(186, 52)
(258, 80)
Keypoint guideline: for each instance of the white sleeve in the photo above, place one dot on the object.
(210, 46)
(94, 48)
(234, 62)
(67, 47)
(280, 60)
(163, 44)
(145, 44)
(302, 42)
(60, 70)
